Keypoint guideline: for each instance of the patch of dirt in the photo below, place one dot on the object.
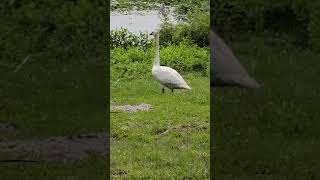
(7, 128)
(62, 148)
(119, 172)
(131, 108)
(180, 128)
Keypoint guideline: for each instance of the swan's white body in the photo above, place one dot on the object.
(166, 76)
(169, 77)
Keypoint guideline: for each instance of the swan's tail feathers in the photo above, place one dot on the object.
(185, 86)
(249, 82)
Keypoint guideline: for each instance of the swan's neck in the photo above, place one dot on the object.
(157, 57)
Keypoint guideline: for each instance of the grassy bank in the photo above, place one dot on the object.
(140, 146)
(172, 140)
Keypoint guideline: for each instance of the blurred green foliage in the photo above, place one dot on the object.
(296, 21)
(271, 131)
(181, 6)
(66, 43)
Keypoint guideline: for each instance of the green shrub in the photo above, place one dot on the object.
(314, 27)
(137, 63)
(173, 34)
(199, 28)
(293, 19)
(124, 38)
(129, 63)
(196, 31)
(66, 42)
(185, 58)
(182, 6)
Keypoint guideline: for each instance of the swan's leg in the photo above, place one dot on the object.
(162, 87)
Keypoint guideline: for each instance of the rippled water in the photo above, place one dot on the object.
(137, 21)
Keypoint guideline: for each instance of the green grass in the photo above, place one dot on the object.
(271, 132)
(53, 104)
(138, 151)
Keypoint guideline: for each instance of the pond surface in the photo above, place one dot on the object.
(138, 21)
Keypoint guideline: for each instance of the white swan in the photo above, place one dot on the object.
(166, 76)
(225, 67)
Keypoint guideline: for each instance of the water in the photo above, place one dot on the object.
(138, 21)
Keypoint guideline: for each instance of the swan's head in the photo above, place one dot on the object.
(154, 33)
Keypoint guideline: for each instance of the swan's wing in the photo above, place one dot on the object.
(166, 75)
(225, 68)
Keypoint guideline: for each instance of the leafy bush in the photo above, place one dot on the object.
(124, 38)
(295, 19)
(314, 26)
(199, 27)
(186, 58)
(66, 42)
(196, 31)
(174, 34)
(129, 63)
(137, 63)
